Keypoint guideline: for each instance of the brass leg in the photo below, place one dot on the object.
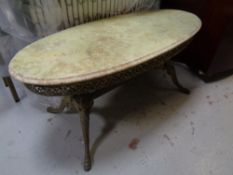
(172, 72)
(84, 105)
(5, 81)
(8, 83)
(66, 102)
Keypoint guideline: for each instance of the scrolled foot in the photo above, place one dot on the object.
(54, 110)
(184, 90)
(87, 164)
(65, 103)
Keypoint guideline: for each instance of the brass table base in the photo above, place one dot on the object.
(84, 103)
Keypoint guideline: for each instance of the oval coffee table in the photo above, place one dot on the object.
(84, 62)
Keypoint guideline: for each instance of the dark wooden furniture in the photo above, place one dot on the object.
(211, 53)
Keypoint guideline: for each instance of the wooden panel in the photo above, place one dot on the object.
(216, 16)
(223, 60)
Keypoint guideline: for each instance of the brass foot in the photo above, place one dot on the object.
(8, 83)
(84, 105)
(66, 102)
(172, 72)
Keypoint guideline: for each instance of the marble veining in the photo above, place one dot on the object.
(102, 47)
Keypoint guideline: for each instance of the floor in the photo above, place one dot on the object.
(144, 127)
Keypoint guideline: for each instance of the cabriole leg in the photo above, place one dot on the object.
(172, 72)
(84, 105)
(8, 83)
